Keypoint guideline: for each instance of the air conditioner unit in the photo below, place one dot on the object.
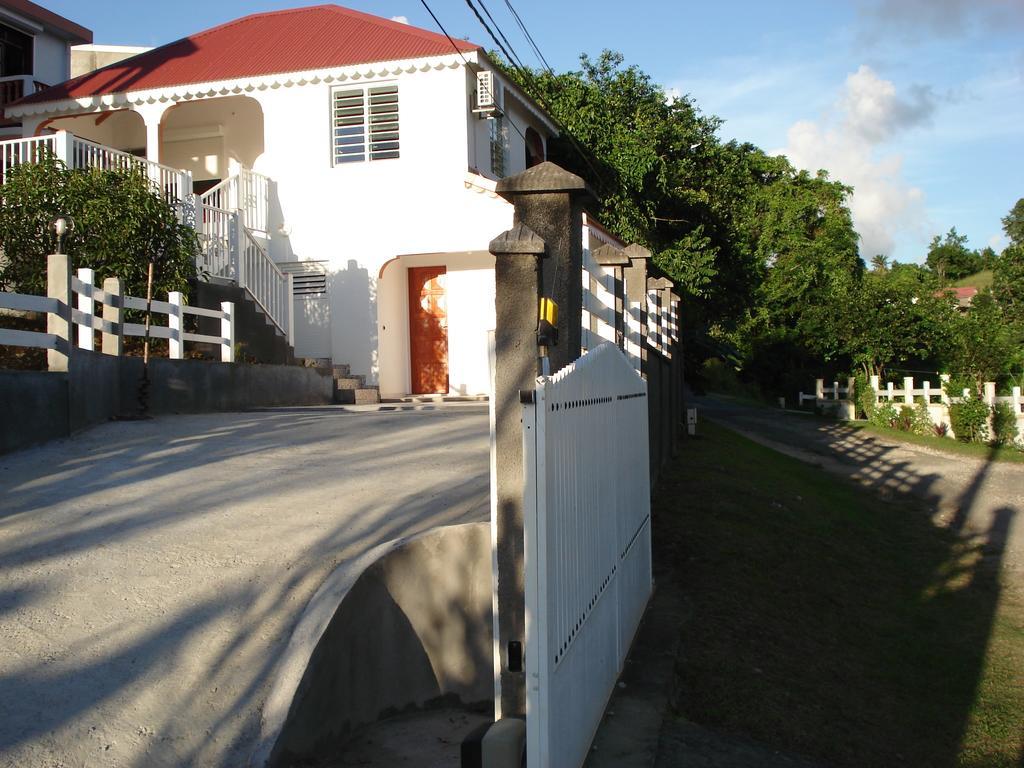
(486, 101)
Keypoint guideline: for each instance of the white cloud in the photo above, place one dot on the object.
(848, 144)
(400, 19)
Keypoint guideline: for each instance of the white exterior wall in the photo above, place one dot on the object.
(52, 59)
(358, 216)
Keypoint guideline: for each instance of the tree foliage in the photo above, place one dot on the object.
(119, 224)
(950, 258)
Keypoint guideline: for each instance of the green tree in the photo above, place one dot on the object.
(120, 223)
(887, 319)
(1013, 223)
(982, 345)
(950, 258)
(879, 263)
(1008, 282)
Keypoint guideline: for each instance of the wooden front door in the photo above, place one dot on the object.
(428, 330)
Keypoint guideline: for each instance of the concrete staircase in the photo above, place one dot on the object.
(352, 389)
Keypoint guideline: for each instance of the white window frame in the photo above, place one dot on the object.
(365, 123)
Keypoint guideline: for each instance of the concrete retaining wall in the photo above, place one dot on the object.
(36, 406)
(33, 408)
(407, 625)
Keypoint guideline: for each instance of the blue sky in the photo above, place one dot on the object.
(918, 104)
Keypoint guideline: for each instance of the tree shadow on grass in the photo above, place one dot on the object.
(829, 624)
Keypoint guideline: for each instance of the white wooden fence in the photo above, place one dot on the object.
(76, 302)
(588, 546)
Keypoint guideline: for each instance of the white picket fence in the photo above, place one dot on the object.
(77, 307)
(588, 546)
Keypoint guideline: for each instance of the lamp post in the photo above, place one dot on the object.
(62, 225)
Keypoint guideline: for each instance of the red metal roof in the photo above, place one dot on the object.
(295, 40)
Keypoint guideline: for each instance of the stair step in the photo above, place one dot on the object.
(342, 369)
(349, 382)
(360, 396)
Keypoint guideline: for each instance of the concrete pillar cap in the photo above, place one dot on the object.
(636, 251)
(658, 283)
(518, 240)
(541, 178)
(610, 256)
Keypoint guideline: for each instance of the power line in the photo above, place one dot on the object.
(445, 31)
(529, 37)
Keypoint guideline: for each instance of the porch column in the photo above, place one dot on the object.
(152, 114)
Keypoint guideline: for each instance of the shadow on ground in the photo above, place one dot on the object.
(825, 623)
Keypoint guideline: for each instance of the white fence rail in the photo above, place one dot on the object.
(588, 546)
(89, 308)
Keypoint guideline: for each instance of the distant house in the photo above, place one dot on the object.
(371, 149)
(35, 52)
(964, 295)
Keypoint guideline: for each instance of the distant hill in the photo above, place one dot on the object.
(978, 280)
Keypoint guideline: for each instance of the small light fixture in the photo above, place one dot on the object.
(62, 226)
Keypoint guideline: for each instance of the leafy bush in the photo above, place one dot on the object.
(922, 421)
(941, 429)
(884, 415)
(1004, 424)
(719, 376)
(969, 419)
(119, 224)
(864, 397)
(904, 421)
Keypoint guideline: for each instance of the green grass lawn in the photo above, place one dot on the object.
(825, 622)
(945, 444)
(979, 280)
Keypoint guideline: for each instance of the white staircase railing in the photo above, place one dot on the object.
(227, 216)
(246, 191)
(218, 237)
(266, 283)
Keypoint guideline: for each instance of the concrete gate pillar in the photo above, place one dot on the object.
(517, 260)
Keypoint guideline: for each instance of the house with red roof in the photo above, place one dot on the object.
(362, 154)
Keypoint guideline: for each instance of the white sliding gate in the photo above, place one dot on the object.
(588, 546)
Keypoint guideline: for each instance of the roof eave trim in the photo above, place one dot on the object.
(236, 86)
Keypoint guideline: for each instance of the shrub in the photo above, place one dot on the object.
(864, 397)
(922, 421)
(941, 429)
(904, 421)
(969, 419)
(120, 223)
(1004, 424)
(884, 415)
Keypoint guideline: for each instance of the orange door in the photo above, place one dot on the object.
(428, 330)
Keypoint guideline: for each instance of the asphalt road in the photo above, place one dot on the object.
(981, 499)
(151, 572)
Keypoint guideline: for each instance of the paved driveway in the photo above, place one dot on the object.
(151, 572)
(980, 498)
